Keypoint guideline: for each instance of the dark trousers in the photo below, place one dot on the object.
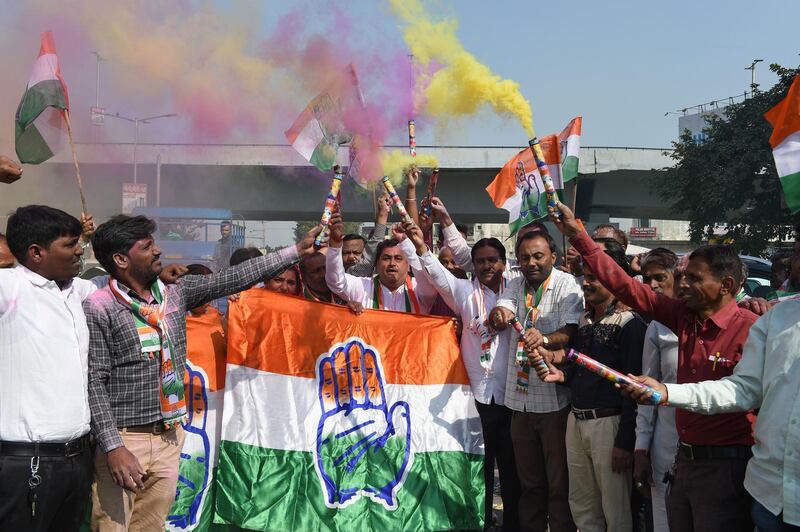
(541, 454)
(766, 521)
(496, 424)
(62, 496)
(708, 495)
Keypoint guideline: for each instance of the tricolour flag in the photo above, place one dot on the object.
(785, 142)
(570, 141)
(204, 382)
(323, 125)
(340, 422)
(518, 187)
(40, 124)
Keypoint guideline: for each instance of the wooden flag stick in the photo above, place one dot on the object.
(75, 160)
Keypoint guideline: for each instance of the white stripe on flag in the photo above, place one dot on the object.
(787, 155)
(274, 411)
(308, 139)
(44, 69)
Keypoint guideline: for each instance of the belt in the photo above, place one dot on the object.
(594, 413)
(700, 452)
(31, 449)
(157, 427)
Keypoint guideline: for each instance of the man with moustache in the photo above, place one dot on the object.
(137, 356)
(485, 354)
(392, 288)
(707, 492)
(549, 304)
(601, 430)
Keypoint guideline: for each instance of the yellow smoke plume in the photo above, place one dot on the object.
(463, 84)
(397, 162)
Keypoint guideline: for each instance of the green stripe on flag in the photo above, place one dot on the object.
(44, 94)
(791, 191)
(275, 489)
(324, 155)
(569, 168)
(31, 147)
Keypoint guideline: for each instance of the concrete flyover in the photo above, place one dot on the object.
(272, 182)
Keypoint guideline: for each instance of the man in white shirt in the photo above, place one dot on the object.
(549, 304)
(485, 356)
(46, 463)
(767, 378)
(392, 288)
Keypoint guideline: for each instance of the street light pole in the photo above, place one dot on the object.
(752, 69)
(136, 121)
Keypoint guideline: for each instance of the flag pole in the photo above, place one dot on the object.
(75, 160)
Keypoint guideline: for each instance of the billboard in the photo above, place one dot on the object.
(697, 122)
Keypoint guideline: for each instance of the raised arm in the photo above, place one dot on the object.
(636, 295)
(426, 291)
(347, 287)
(452, 238)
(454, 291)
(200, 289)
(411, 193)
(379, 231)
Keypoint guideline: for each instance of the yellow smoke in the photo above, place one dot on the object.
(397, 162)
(463, 84)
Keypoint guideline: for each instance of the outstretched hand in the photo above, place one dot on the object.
(414, 233)
(641, 394)
(439, 211)
(564, 219)
(10, 171)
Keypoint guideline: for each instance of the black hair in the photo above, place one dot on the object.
(198, 269)
(461, 228)
(306, 258)
(615, 250)
(240, 255)
(619, 234)
(534, 226)
(723, 261)
(490, 243)
(118, 235)
(40, 225)
(225, 222)
(661, 257)
(530, 235)
(354, 236)
(388, 243)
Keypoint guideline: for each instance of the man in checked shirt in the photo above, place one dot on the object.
(137, 355)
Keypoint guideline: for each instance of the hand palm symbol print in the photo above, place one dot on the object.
(363, 445)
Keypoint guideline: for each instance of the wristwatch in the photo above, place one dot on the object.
(545, 341)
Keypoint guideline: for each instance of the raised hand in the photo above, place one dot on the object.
(439, 211)
(10, 171)
(564, 220)
(398, 232)
(306, 245)
(194, 466)
(414, 233)
(172, 272)
(413, 176)
(336, 227)
(384, 209)
(363, 445)
(87, 227)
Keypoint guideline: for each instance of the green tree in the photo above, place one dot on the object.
(301, 228)
(729, 182)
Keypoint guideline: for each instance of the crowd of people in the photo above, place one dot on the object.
(92, 371)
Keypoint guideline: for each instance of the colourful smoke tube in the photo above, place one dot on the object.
(412, 139)
(396, 199)
(330, 202)
(426, 203)
(544, 171)
(518, 327)
(608, 373)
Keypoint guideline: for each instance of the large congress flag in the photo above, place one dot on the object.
(338, 422)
